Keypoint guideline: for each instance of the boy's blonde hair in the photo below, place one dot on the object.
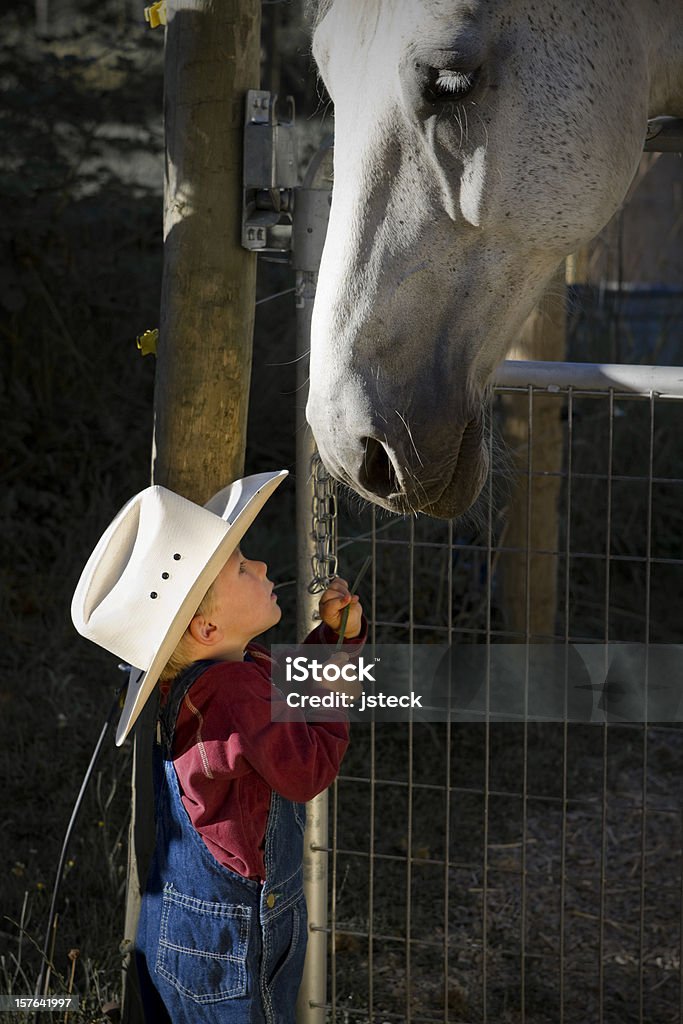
(181, 656)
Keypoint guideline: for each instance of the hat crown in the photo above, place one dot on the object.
(141, 571)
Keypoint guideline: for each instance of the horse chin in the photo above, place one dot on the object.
(460, 493)
(467, 478)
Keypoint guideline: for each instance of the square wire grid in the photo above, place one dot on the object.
(525, 873)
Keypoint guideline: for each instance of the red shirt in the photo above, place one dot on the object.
(229, 755)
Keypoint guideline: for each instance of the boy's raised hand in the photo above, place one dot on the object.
(332, 603)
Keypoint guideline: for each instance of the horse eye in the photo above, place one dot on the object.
(446, 84)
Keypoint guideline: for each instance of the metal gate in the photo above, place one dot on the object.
(523, 872)
(526, 872)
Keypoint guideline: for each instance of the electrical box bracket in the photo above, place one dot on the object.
(269, 173)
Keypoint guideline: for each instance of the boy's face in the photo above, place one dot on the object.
(244, 602)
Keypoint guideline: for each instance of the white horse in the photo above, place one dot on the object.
(477, 144)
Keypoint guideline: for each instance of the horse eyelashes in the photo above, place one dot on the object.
(448, 84)
(454, 81)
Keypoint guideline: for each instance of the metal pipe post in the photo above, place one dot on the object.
(311, 215)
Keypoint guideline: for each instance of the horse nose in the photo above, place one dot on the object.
(378, 473)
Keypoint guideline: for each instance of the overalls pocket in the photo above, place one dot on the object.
(285, 949)
(203, 946)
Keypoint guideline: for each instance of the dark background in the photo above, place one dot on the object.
(81, 178)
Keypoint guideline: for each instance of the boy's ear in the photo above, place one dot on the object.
(203, 630)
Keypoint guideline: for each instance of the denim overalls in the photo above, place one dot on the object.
(216, 947)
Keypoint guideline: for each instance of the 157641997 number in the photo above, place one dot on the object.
(49, 1004)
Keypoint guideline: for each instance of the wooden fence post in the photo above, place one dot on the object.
(543, 336)
(207, 306)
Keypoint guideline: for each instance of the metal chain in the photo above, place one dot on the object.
(324, 560)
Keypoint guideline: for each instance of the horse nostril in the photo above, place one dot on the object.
(377, 473)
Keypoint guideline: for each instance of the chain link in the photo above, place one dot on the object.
(324, 531)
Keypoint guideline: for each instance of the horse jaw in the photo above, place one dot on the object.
(444, 229)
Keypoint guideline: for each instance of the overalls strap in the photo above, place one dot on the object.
(168, 714)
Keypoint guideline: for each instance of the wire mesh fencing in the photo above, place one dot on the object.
(521, 871)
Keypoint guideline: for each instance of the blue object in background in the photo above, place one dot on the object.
(625, 323)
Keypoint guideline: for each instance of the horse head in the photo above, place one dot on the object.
(476, 145)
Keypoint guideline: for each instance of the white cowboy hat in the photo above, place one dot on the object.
(150, 570)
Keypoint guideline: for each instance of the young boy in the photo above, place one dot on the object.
(222, 931)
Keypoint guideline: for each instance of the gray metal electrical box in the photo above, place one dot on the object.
(269, 173)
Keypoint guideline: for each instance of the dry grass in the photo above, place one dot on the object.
(81, 274)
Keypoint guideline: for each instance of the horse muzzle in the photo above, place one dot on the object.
(441, 478)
